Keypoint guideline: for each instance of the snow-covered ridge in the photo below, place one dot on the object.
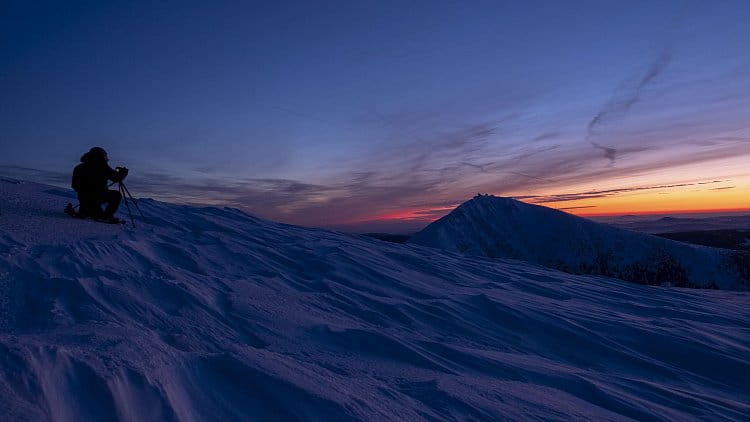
(209, 314)
(503, 227)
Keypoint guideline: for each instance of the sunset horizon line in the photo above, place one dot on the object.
(661, 212)
(414, 213)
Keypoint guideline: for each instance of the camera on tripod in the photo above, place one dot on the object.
(122, 171)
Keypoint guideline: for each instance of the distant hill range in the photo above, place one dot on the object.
(670, 224)
(728, 239)
(500, 227)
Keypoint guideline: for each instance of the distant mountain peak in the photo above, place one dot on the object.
(502, 227)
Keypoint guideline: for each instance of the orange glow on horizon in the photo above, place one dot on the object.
(668, 201)
(682, 200)
(659, 212)
(408, 214)
(411, 214)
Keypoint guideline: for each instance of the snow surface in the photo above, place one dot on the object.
(212, 314)
(503, 227)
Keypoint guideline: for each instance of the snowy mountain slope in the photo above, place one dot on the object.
(503, 227)
(211, 314)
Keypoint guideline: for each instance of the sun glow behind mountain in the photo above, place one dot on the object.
(714, 196)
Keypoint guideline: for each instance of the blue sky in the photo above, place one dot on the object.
(338, 113)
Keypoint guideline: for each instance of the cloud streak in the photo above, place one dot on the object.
(621, 102)
(565, 197)
(619, 105)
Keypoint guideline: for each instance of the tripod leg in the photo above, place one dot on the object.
(133, 200)
(127, 205)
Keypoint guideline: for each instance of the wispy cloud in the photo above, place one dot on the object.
(565, 197)
(546, 136)
(621, 102)
(42, 176)
(577, 208)
(629, 94)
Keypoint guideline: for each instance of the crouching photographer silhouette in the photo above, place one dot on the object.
(91, 182)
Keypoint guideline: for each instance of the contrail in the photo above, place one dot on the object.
(619, 105)
(609, 152)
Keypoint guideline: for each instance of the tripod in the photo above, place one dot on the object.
(125, 193)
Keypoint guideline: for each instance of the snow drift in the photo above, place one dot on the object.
(503, 227)
(212, 314)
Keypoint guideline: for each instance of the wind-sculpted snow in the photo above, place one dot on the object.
(209, 314)
(503, 227)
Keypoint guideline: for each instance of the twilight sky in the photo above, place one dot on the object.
(383, 115)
